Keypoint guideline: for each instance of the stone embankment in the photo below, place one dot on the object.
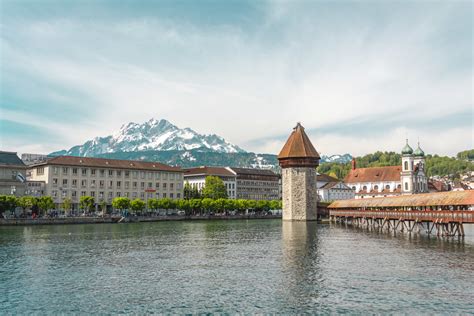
(117, 219)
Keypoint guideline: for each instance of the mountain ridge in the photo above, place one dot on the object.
(160, 140)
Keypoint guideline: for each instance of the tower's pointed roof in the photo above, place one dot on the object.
(418, 151)
(407, 150)
(298, 145)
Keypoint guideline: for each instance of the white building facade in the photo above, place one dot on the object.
(409, 178)
(196, 177)
(104, 179)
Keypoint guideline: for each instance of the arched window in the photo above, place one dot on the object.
(376, 187)
(364, 187)
(387, 187)
(399, 186)
(406, 165)
(406, 186)
(354, 188)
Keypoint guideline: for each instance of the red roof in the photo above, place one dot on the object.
(298, 145)
(374, 174)
(108, 163)
(425, 199)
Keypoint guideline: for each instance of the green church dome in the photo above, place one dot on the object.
(407, 150)
(419, 152)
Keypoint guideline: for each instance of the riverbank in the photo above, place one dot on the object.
(119, 219)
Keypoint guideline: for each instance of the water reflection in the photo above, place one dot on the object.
(301, 264)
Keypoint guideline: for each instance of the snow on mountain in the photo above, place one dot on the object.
(152, 135)
(337, 158)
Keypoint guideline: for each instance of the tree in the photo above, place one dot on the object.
(214, 188)
(26, 202)
(121, 203)
(195, 205)
(275, 205)
(230, 205)
(206, 204)
(7, 203)
(137, 205)
(183, 205)
(103, 207)
(86, 203)
(219, 205)
(45, 203)
(67, 205)
(262, 206)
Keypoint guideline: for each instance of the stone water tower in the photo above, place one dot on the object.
(298, 161)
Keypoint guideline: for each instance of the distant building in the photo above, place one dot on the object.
(35, 188)
(437, 186)
(31, 159)
(409, 178)
(240, 183)
(331, 189)
(12, 174)
(196, 177)
(104, 179)
(256, 184)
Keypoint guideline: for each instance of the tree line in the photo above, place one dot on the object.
(212, 198)
(435, 165)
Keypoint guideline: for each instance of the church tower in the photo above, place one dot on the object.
(408, 170)
(420, 178)
(298, 161)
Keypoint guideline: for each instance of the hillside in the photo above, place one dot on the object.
(435, 165)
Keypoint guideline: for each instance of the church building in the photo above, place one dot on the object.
(409, 178)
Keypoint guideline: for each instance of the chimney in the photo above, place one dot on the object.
(353, 162)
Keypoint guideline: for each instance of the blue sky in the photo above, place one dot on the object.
(360, 75)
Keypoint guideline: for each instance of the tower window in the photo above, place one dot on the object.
(406, 186)
(406, 165)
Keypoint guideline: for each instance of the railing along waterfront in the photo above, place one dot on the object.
(442, 216)
(442, 222)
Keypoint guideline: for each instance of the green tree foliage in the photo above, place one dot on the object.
(121, 203)
(191, 192)
(67, 205)
(195, 205)
(435, 165)
(45, 203)
(86, 203)
(26, 202)
(214, 188)
(137, 205)
(7, 203)
(166, 204)
(466, 155)
(206, 204)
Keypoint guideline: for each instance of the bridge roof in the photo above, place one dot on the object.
(427, 199)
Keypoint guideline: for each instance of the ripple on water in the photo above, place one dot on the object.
(231, 266)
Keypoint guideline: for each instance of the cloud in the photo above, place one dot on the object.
(359, 76)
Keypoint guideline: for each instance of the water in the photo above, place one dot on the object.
(250, 266)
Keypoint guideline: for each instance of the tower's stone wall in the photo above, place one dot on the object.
(300, 196)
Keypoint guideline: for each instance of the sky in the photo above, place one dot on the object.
(360, 76)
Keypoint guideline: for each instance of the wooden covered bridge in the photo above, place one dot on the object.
(442, 213)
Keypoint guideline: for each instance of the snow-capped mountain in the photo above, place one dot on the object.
(158, 135)
(337, 158)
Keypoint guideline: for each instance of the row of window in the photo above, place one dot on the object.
(118, 184)
(258, 183)
(66, 171)
(110, 195)
(376, 187)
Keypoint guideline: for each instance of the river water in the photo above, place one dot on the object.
(247, 266)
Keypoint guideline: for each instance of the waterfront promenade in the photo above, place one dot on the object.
(130, 219)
